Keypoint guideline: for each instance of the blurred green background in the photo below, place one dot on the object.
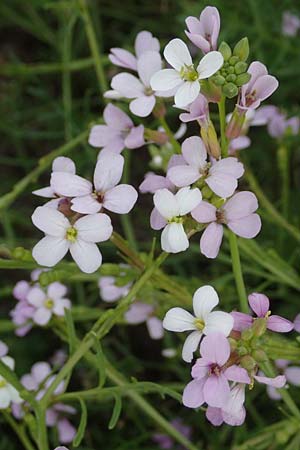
(49, 94)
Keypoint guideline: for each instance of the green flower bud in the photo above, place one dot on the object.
(233, 60)
(259, 356)
(219, 80)
(242, 79)
(231, 78)
(206, 192)
(230, 70)
(241, 50)
(233, 344)
(248, 363)
(242, 351)
(230, 90)
(240, 67)
(259, 327)
(22, 254)
(247, 334)
(225, 50)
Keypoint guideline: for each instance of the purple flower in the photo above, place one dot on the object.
(291, 373)
(204, 32)
(138, 89)
(260, 87)
(233, 413)
(260, 304)
(239, 143)
(105, 192)
(142, 312)
(47, 303)
(109, 291)
(290, 24)
(197, 110)
(211, 376)
(117, 133)
(221, 176)
(144, 42)
(22, 313)
(237, 213)
(279, 125)
(166, 442)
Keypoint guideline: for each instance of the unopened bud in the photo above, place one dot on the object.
(64, 206)
(230, 90)
(242, 49)
(206, 192)
(219, 80)
(22, 254)
(211, 91)
(259, 327)
(233, 60)
(240, 67)
(248, 363)
(231, 78)
(247, 334)
(210, 139)
(243, 78)
(242, 351)
(235, 125)
(233, 344)
(225, 50)
(260, 356)
(159, 137)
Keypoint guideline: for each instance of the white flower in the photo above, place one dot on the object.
(8, 394)
(172, 208)
(62, 236)
(184, 76)
(205, 320)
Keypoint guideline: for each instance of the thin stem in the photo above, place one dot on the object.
(45, 68)
(42, 427)
(95, 51)
(44, 163)
(237, 271)
(125, 218)
(19, 431)
(174, 142)
(283, 165)
(222, 118)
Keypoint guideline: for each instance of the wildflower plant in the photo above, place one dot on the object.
(198, 206)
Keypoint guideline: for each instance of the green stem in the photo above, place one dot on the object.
(45, 68)
(42, 427)
(283, 165)
(237, 271)
(92, 40)
(174, 142)
(222, 118)
(19, 431)
(102, 327)
(44, 163)
(125, 218)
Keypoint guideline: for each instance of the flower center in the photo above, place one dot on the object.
(148, 90)
(204, 171)
(220, 216)
(215, 370)
(175, 220)
(188, 73)
(71, 234)
(99, 196)
(199, 324)
(48, 303)
(250, 98)
(3, 383)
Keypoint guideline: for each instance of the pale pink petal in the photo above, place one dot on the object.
(201, 368)
(104, 136)
(66, 431)
(190, 345)
(60, 306)
(210, 64)
(145, 41)
(153, 182)
(214, 416)
(94, 228)
(174, 238)
(70, 185)
(122, 58)
(204, 213)
(177, 54)
(222, 184)
(211, 240)
(87, 204)
(157, 222)
(120, 199)
(193, 394)
(265, 86)
(36, 296)
(237, 374)
(50, 221)
(108, 172)
(138, 313)
(240, 205)
(127, 85)
(135, 137)
(297, 323)
(155, 328)
(187, 93)
(50, 250)
(116, 118)
(63, 164)
(166, 204)
(183, 175)
(279, 324)
(188, 199)
(178, 319)
(218, 321)
(204, 300)
(241, 321)
(148, 64)
(46, 192)
(215, 348)
(194, 151)
(56, 290)
(246, 227)
(42, 316)
(259, 303)
(216, 391)
(293, 375)
(143, 105)
(86, 255)
(277, 382)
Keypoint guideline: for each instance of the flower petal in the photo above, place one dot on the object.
(165, 79)
(86, 204)
(145, 41)
(216, 348)
(204, 300)
(183, 175)
(190, 345)
(216, 391)
(240, 205)
(222, 184)
(70, 185)
(157, 222)
(135, 137)
(246, 227)
(50, 250)
(143, 105)
(187, 93)
(148, 64)
(127, 85)
(94, 228)
(214, 416)
(218, 321)
(120, 199)
(279, 324)
(122, 58)
(174, 238)
(86, 255)
(36, 296)
(237, 374)
(293, 375)
(210, 64)
(177, 54)
(50, 221)
(188, 199)
(155, 328)
(166, 204)
(241, 320)
(194, 151)
(259, 303)
(193, 394)
(108, 172)
(116, 118)
(204, 213)
(277, 382)
(178, 319)
(211, 240)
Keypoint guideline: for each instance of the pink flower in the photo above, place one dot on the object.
(139, 89)
(46, 304)
(237, 213)
(197, 110)
(279, 125)
(290, 24)
(172, 209)
(142, 312)
(60, 164)
(221, 176)
(291, 373)
(239, 143)
(260, 304)
(109, 291)
(79, 238)
(103, 193)
(211, 378)
(233, 413)
(23, 311)
(260, 87)
(203, 322)
(204, 32)
(117, 133)
(144, 42)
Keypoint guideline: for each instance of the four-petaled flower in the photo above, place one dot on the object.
(204, 322)
(184, 77)
(204, 32)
